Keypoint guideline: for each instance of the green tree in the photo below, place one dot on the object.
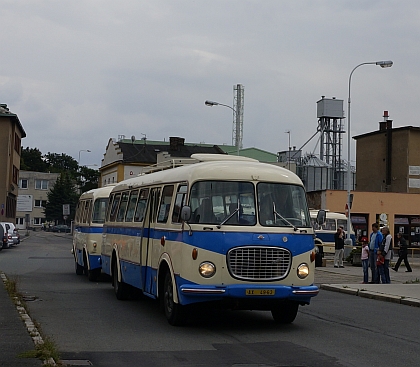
(63, 192)
(60, 163)
(88, 179)
(31, 159)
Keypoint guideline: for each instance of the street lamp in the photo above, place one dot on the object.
(82, 150)
(212, 103)
(382, 64)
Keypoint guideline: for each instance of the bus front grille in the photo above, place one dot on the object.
(259, 263)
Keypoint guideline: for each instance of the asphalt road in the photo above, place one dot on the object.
(89, 324)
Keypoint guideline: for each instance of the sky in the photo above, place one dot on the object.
(79, 72)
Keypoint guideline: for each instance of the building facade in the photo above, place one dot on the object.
(32, 197)
(11, 134)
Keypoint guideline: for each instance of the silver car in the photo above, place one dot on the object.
(6, 232)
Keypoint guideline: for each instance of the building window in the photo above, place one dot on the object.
(40, 203)
(41, 184)
(23, 183)
(20, 221)
(38, 221)
(17, 144)
(15, 175)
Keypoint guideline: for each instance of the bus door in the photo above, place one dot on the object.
(146, 242)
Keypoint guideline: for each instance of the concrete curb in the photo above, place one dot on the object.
(347, 289)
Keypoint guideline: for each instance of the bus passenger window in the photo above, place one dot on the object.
(114, 207)
(179, 203)
(123, 206)
(141, 206)
(165, 204)
(131, 206)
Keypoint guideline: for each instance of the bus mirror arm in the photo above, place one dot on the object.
(186, 216)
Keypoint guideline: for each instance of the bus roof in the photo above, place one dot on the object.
(226, 169)
(101, 192)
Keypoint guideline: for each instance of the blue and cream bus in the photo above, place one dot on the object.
(87, 233)
(227, 229)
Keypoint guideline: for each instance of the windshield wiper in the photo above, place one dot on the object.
(228, 217)
(283, 218)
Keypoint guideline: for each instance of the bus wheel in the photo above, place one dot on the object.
(174, 312)
(285, 313)
(79, 268)
(94, 274)
(120, 288)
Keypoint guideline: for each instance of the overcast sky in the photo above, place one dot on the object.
(82, 71)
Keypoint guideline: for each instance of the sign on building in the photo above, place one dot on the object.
(66, 209)
(24, 203)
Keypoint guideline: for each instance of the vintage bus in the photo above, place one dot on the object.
(228, 230)
(87, 232)
(324, 232)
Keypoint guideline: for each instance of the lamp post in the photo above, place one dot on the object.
(212, 103)
(80, 151)
(382, 64)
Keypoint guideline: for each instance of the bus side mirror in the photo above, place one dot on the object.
(321, 217)
(186, 213)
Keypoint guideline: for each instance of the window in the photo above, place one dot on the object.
(99, 209)
(179, 203)
(114, 207)
(123, 206)
(131, 205)
(40, 203)
(15, 175)
(165, 204)
(86, 212)
(20, 221)
(17, 143)
(141, 206)
(41, 184)
(38, 221)
(23, 183)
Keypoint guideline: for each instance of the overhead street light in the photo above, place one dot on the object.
(80, 151)
(212, 103)
(382, 64)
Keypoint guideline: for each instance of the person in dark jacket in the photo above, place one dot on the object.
(402, 253)
(339, 247)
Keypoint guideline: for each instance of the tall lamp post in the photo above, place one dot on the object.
(80, 151)
(212, 103)
(382, 64)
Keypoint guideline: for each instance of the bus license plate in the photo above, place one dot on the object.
(260, 292)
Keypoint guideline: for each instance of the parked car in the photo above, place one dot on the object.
(6, 235)
(14, 232)
(61, 228)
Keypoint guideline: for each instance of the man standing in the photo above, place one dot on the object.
(339, 247)
(374, 243)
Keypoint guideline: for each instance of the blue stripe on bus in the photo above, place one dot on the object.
(89, 229)
(220, 242)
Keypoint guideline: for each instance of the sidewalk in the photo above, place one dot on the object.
(404, 287)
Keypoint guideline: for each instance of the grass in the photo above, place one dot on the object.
(44, 351)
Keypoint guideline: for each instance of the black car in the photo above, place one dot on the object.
(61, 228)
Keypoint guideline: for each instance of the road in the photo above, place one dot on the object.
(88, 323)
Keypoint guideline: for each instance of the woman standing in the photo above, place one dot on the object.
(339, 247)
(402, 253)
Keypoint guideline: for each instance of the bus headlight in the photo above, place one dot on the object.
(303, 271)
(207, 269)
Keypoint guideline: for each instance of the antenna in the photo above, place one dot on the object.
(133, 139)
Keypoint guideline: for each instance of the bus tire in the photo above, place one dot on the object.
(174, 312)
(94, 274)
(79, 268)
(285, 313)
(120, 288)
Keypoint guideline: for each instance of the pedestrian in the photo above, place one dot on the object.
(375, 239)
(339, 247)
(402, 253)
(365, 262)
(385, 250)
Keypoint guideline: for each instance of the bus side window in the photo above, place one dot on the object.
(131, 206)
(141, 206)
(179, 203)
(165, 204)
(86, 212)
(123, 206)
(114, 207)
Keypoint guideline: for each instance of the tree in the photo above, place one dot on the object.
(88, 179)
(63, 192)
(31, 159)
(60, 163)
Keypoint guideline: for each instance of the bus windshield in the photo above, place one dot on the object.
(282, 205)
(223, 202)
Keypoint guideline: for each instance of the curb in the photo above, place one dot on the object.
(30, 326)
(371, 294)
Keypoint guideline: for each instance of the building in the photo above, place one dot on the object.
(388, 159)
(11, 134)
(32, 197)
(126, 158)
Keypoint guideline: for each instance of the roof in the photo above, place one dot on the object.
(4, 112)
(146, 153)
(376, 132)
(256, 153)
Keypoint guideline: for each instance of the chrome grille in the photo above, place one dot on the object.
(259, 263)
